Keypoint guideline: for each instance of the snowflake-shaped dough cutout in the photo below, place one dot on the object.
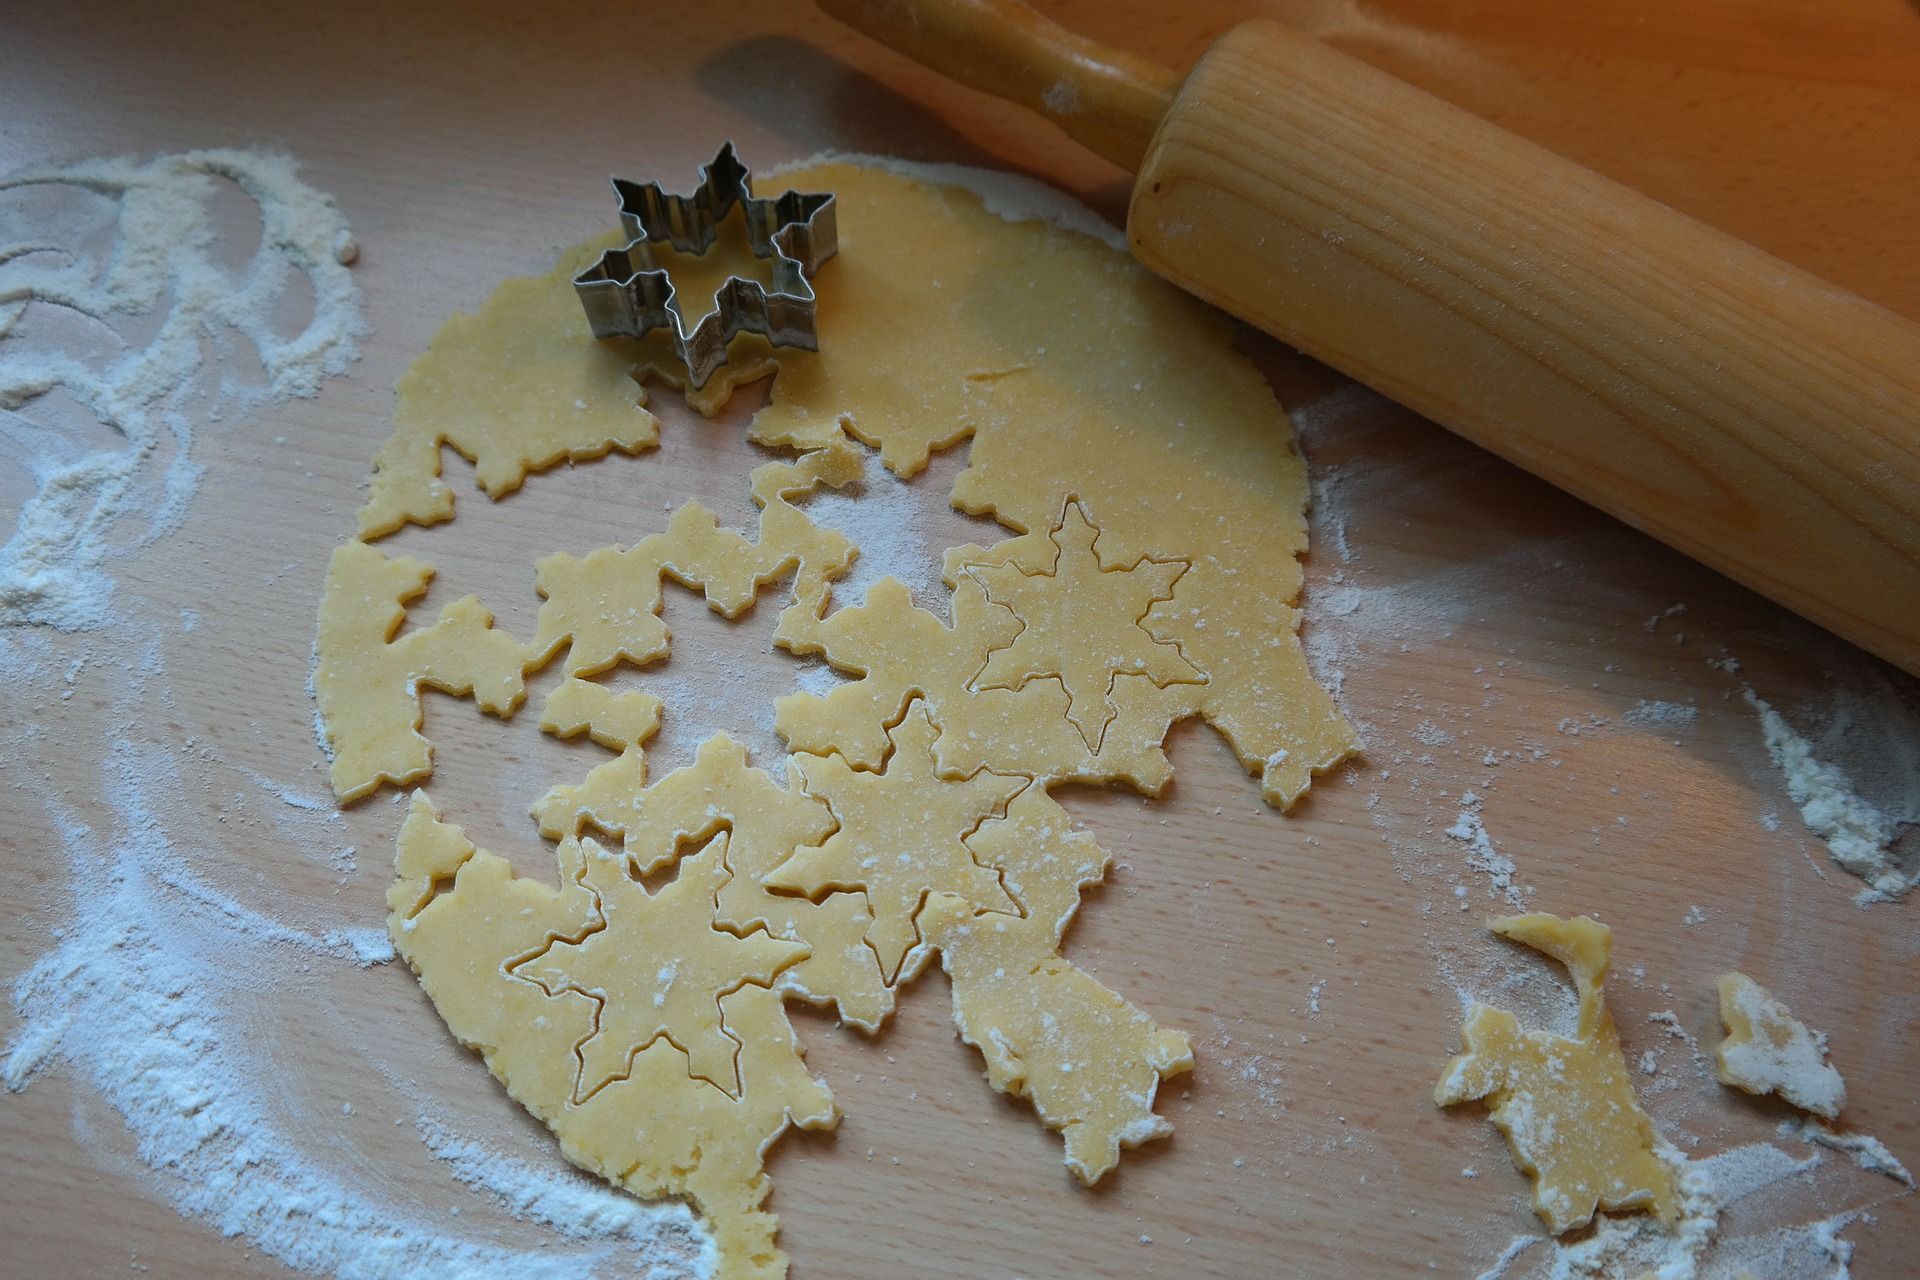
(1083, 624)
(658, 968)
(902, 836)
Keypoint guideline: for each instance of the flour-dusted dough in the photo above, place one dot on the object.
(1566, 1105)
(1090, 1061)
(1768, 1050)
(369, 678)
(462, 919)
(1155, 506)
(1078, 377)
(902, 835)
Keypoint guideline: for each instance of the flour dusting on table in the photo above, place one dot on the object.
(1462, 724)
(152, 250)
(165, 984)
(1707, 1241)
(1858, 832)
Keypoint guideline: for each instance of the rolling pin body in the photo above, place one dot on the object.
(1734, 406)
(1722, 400)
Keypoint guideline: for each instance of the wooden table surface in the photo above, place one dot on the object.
(1474, 615)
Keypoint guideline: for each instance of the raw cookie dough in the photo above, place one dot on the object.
(1154, 507)
(1075, 613)
(1566, 1106)
(368, 683)
(1768, 1050)
(1093, 383)
(1089, 1060)
(470, 393)
(461, 917)
(901, 836)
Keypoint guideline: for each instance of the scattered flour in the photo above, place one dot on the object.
(570, 1202)
(160, 980)
(901, 528)
(1470, 831)
(1867, 1151)
(1663, 717)
(1700, 1245)
(1856, 831)
(1671, 1021)
(145, 996)
(162, 254)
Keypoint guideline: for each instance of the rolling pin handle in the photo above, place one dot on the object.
(1108, 100)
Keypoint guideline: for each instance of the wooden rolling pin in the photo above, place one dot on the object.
(1734, 406)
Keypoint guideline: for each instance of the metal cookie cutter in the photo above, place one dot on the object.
(624, 294)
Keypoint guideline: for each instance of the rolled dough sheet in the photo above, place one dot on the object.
(1154, 508)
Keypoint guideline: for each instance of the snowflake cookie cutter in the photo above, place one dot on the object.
(625, 294)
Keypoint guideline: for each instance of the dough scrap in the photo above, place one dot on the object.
(460, 917)
(368, 677)
(1566, 1106)
(1089, 1061)
(902, 835)
(1768, 1050)
(614, 720)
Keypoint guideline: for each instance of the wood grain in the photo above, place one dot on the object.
(1722, 400)
(468, 144)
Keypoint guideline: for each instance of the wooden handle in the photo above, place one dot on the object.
(1731, 405)
(1108, 101)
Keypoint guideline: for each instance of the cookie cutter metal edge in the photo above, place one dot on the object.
(625, 294)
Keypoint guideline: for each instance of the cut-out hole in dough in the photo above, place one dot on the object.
(902, 528)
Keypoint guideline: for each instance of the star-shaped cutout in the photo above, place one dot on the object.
(627, 294)
(657, 968)
(902, 835)
(1083, 621)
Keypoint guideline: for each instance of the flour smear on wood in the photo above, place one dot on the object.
(92, 249)
(126, 328)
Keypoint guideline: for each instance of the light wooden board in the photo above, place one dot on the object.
(469, 144)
